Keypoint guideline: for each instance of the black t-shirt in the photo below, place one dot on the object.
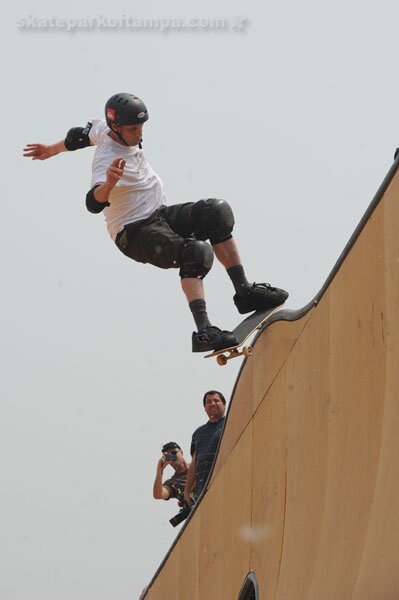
(205, 443)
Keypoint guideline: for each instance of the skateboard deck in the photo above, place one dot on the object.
(242, 332)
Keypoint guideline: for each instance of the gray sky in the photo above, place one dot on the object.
(289, 113)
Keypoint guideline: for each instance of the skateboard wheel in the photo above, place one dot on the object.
(221, 360)
(247, 351)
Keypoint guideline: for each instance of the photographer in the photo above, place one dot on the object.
(173, 487)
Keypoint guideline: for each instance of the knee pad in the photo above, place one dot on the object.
(195, 258)
(213, 219)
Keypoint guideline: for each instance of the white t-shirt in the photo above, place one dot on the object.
(140, 191)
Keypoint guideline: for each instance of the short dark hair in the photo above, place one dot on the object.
(210, 393)
(170, 446)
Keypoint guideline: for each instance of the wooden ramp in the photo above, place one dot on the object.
(305, 490)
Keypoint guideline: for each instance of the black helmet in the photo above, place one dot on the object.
(125, 109)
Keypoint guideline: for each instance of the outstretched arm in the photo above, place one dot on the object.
(76, 138)
(44, 151)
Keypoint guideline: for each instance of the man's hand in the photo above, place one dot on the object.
(114, 174)
(115, 171)
(160, 492)
(43, 151)
(162, 463)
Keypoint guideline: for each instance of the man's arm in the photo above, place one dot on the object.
(114, 174)
(160, 492)
(44, 151)
(97, 197)
(190, 480)
(76, 138)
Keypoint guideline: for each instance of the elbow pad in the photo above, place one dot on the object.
(92, 204)
(77, 138)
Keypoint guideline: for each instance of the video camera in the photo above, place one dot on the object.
(181, 515)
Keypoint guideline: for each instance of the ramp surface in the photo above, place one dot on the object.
(305, 490)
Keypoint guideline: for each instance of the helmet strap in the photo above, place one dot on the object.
(116, 131)
(121, 138)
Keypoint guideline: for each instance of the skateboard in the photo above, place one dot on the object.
(242, 332)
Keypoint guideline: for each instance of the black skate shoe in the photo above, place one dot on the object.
(212, 338)
(260, 295)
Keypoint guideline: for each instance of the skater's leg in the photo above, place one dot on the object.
(155, 242)
(214, 219)
(207, 337)
(194, 291)
(248, 297)
(227, 253)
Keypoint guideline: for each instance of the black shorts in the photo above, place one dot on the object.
(158, 239)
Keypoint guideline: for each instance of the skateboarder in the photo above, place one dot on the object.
(145, 229)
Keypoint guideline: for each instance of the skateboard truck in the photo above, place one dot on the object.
(233, 353)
